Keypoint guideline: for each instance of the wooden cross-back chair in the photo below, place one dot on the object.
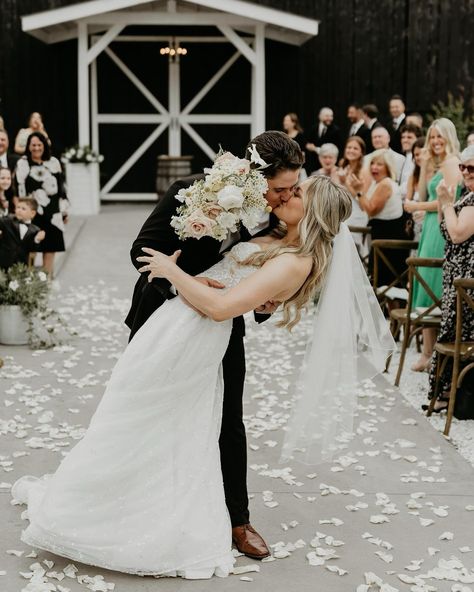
(381, 251)
(459, 351)
(411, 319)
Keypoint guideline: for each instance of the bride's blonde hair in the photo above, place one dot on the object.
(326, 205)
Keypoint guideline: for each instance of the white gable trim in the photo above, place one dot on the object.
(294, 26)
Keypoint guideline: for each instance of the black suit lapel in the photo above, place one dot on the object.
(13, 227)
(30, 233)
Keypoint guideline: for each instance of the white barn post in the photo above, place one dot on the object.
(83, 84)
(258, 82)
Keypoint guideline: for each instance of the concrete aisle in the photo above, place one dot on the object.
(390, 505)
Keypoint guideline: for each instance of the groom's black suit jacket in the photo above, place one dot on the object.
(196, 256)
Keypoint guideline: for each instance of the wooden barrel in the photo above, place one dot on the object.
(169, 169)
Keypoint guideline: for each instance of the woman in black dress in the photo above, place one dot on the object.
(457, 227)
(40, 175)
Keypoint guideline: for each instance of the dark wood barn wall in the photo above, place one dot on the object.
(365, 51)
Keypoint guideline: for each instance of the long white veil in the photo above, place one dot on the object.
(350, 343)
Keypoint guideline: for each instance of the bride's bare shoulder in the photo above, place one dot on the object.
(297, 264)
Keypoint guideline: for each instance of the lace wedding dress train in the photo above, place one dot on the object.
(142, 492)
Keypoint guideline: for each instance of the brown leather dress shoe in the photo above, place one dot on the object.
(249, 542)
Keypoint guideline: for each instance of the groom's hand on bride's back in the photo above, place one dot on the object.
(268, 308)
(210, 282)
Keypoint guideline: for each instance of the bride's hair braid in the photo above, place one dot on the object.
(326, 205)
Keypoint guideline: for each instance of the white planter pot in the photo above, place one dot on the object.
(83, 188)
(13, 325)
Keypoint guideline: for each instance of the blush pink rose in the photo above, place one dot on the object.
(213, 210)
(198, 225)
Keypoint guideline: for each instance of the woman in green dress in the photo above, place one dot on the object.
(439, 160)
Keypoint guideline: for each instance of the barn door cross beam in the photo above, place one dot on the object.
(176, 118)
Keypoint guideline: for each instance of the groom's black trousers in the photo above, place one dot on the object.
(232, 441)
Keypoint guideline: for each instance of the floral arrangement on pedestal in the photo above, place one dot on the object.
(232, 193)
(81, 154)
(28, 290)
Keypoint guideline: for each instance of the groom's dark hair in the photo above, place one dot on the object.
(278, 150)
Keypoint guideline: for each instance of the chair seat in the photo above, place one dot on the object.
(428, 321)
(398, 314)
(392, 293)
(447, 349)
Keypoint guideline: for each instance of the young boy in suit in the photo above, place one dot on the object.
(18, 236)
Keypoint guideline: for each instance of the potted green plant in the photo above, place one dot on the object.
(24, 313)
(83, 179)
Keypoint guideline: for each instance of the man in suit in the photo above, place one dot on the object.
(370, 114)
(18, 236)
(381, 141)
(7, 159)
(396, 107)
(356, 119)
(326, 132)
(285, 159)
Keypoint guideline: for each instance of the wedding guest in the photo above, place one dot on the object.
(439, 160)
(5, 188)
(326, 132)
(409, 134)
(351, 175)
(470, 139)
(356, 118)
(415, 119)
(328, 154)
(370, 114)
(382, 202)
(396, 107)
(7, 159)
(39, 174)
(457, 227)
(381, 141)
(292, 126)
(18, 236)
(35, 124)
(412, 187)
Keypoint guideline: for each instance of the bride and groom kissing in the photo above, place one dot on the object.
(158, 484)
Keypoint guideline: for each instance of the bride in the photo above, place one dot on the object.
(142, 492)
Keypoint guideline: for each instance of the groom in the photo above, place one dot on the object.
(285, 160)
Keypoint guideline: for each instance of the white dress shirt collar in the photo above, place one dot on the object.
(398, 120)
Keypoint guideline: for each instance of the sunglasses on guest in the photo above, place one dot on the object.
(466, 167)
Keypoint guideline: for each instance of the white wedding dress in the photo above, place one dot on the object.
(142, 492)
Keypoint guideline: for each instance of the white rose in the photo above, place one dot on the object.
(13, 285)
(228, 220)
(100, 158)
(251, 218)
(42, 276)
(230, 197)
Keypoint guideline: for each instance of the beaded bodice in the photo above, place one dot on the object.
(228, 270)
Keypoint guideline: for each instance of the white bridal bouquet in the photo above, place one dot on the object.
(232, 193)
